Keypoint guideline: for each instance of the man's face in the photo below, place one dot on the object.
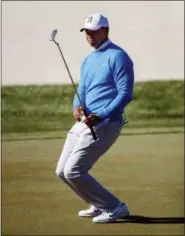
(95, 38)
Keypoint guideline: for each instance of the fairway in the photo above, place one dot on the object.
(145, 171)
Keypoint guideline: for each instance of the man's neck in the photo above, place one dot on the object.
(102, 42)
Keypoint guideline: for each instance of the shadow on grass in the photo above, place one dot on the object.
(150, 220)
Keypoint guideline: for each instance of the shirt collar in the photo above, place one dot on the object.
(105, 44)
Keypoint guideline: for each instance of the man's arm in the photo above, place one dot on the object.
(124, 78)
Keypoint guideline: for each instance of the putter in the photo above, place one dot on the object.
(53, 35)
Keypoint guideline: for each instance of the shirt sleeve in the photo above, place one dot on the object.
(80, 90)
(122, 69)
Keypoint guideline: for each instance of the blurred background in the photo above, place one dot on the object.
(152, 32)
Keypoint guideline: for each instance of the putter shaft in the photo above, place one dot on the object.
(53, 35)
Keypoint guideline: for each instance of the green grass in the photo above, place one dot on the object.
(49, 108)
(146, 171)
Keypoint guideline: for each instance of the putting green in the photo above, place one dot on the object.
(145, 171)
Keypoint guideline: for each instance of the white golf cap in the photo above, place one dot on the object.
(95, 22)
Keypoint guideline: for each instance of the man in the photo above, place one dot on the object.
(105, 89)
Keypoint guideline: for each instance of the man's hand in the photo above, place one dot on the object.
(78, 113)
(92, 120)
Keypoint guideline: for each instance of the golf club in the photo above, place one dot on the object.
(53, 35)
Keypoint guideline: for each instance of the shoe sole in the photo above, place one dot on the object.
(88, 216)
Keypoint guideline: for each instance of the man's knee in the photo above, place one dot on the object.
(71, 174)
(59, 173)
(68, 174)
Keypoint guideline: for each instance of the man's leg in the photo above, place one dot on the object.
(85, 153)
(69, 145)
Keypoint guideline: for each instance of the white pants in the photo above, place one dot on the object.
(79, 154)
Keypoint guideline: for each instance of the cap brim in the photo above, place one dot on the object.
(90, 28)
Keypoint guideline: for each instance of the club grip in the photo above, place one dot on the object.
(91, 128)
(93, 133)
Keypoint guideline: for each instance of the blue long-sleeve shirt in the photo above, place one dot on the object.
(106, 82)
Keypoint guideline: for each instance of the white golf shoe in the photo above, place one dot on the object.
(105, 217)
(92, 211)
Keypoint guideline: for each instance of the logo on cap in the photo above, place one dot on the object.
(89, 20)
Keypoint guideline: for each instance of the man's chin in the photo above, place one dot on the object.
(93, 44)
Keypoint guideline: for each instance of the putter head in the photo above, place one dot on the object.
(53, 34)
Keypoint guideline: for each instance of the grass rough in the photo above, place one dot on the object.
(49, 107)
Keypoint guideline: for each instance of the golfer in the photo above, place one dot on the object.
(105, 89)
